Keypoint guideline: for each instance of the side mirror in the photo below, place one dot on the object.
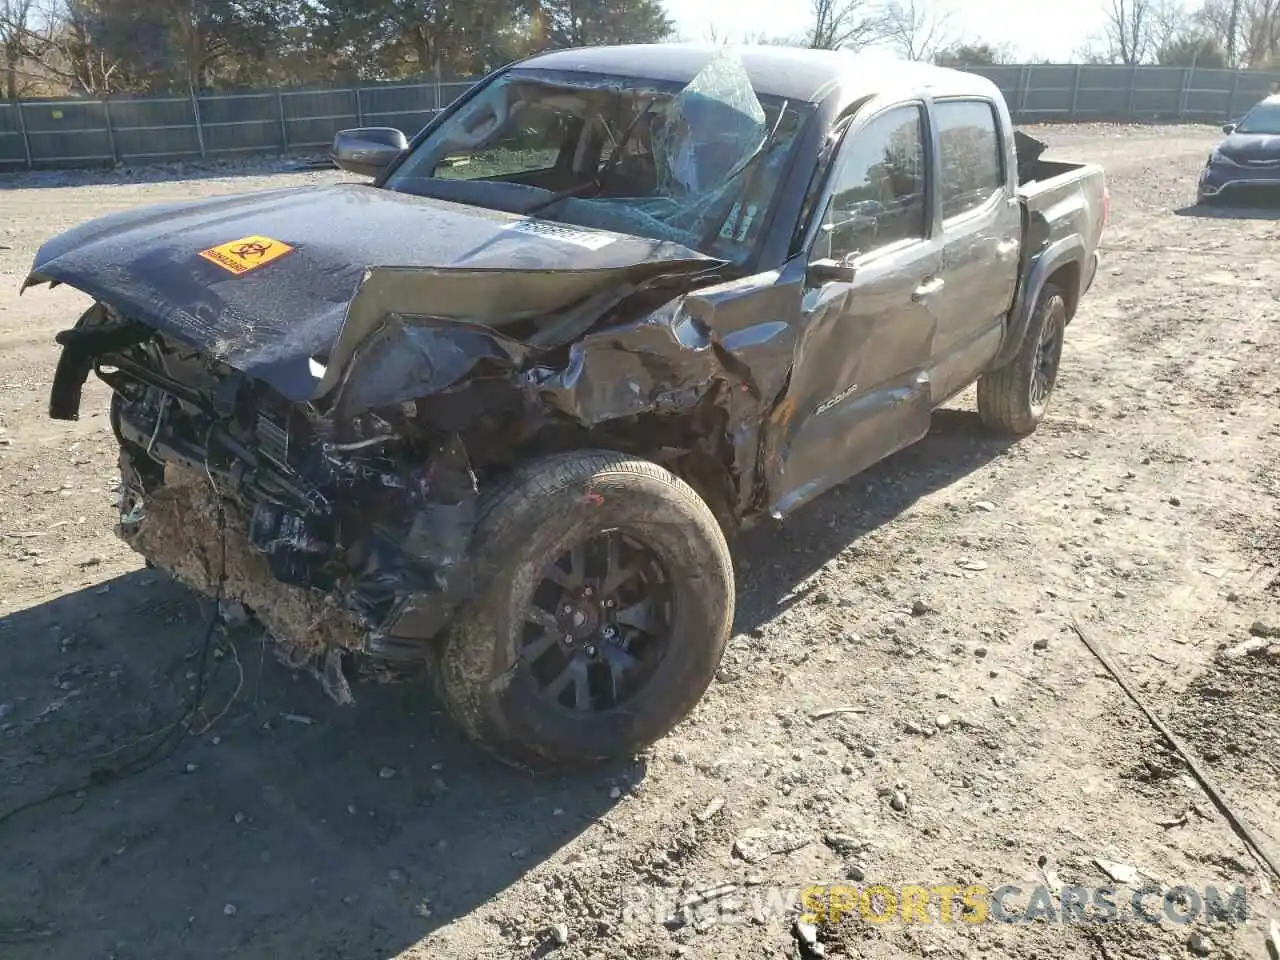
(830, 271)
(368, 151)
(1228, 128)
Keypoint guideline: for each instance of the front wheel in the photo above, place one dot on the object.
(605, 601)
(1013, 399)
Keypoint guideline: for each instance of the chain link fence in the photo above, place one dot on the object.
(42, 134)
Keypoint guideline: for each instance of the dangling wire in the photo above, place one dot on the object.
(173, 733)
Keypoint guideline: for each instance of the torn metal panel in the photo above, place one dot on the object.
(389, 359)
(426, 299)
(752, 322)
(355, 254)
(736, 335)
(408, 358)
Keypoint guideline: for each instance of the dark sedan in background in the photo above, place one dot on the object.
(1246, 165)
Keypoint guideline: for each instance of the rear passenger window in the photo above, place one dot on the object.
(971, 159)
(879, 194)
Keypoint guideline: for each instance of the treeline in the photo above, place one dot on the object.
(1216, 33)
(110, 46)
(100, 47)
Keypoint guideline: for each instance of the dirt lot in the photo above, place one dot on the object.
(934, 594)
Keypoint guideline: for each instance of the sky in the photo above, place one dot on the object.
(1052, 31)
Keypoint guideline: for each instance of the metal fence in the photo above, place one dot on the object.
(1041, 93)
(90, 132)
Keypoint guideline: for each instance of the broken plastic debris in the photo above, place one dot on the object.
(711, 809)
(1119, 872)
(757, 845)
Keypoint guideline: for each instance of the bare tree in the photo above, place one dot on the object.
(917, 29)
(1136, 30)
(1233, 30)
(74, 54)
(1170, 19)
(20, 43)
(1248, 30)
(1220, 20)
(1262, 32)
(839, 24)
(749, 38)
(1128, 31)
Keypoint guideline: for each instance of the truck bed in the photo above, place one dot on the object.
(1048, 182)
(1059, 195)
(1043, 183)
(1042, 170)
(1062, 202)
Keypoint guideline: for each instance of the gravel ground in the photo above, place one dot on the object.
(933, 595)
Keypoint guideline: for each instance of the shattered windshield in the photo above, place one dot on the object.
(697, 165)
(1264, 119)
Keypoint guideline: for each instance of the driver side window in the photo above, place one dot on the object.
(879, 192)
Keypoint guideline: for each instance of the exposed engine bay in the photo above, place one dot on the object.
(369, 523)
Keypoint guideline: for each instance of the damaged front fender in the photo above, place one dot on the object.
(734, 340)
(499, 320)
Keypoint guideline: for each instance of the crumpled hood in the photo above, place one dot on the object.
(1251, 147)
(273, 283)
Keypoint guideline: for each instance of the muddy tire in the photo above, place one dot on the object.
(605, 599)
(1013, 399)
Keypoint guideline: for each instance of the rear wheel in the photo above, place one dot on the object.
(1013, 399)
(605, 601)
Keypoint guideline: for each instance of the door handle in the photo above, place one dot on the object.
(928, 289)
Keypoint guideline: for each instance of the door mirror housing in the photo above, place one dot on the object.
(830, 271)
(1228, 128)
(367, 151)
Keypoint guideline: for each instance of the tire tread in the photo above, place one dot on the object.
(506, 512)
(1004, 395)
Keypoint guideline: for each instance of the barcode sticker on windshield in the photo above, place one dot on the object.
(557, 231)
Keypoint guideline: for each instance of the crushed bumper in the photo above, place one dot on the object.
(359, 546)
(186, 530)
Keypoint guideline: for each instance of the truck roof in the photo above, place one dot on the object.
(794, 73)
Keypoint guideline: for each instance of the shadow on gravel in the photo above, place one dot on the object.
(1226, 211)
(126, 176)
(352, 835)
(293, 827)
(781, 556)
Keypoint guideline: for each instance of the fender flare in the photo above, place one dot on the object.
(1046, 263)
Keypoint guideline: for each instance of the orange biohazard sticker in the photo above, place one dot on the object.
(245, 254)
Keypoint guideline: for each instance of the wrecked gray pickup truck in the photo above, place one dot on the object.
(501, 409)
